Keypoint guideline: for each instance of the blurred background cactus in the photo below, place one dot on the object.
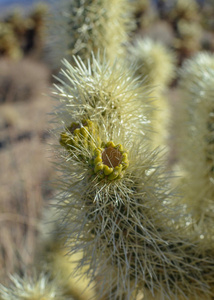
(131, 139)
(27, 30)
(8, 42)
(195, 143)
(88, 26)
(156, 64)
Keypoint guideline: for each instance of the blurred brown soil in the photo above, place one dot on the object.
(24, 165)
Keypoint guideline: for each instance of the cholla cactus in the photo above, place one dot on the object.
(35, 36)
(116, 206)
(144, 13)
(185, 9)
(19, 24)
(88, 25)
(157, 64)
(195, 136)
(185, 18)
(37, 288)
(9, 45)
(101, 89)
(155, 61)
(52, 256)
(189, 37)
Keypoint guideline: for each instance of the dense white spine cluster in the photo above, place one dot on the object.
(31, 288)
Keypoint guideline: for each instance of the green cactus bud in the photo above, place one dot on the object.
(80, 135)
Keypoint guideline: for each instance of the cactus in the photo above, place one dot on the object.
(53, 258)
(105, 90)
(195, 139)
(189, 37)
(187, 10)
(88, 26)
(157, 64)
(18, 25)
(154, 61)
(185, 19)
(35, 32)
(9, 46)
(121, 230)
(116, 205)
(143, 12)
